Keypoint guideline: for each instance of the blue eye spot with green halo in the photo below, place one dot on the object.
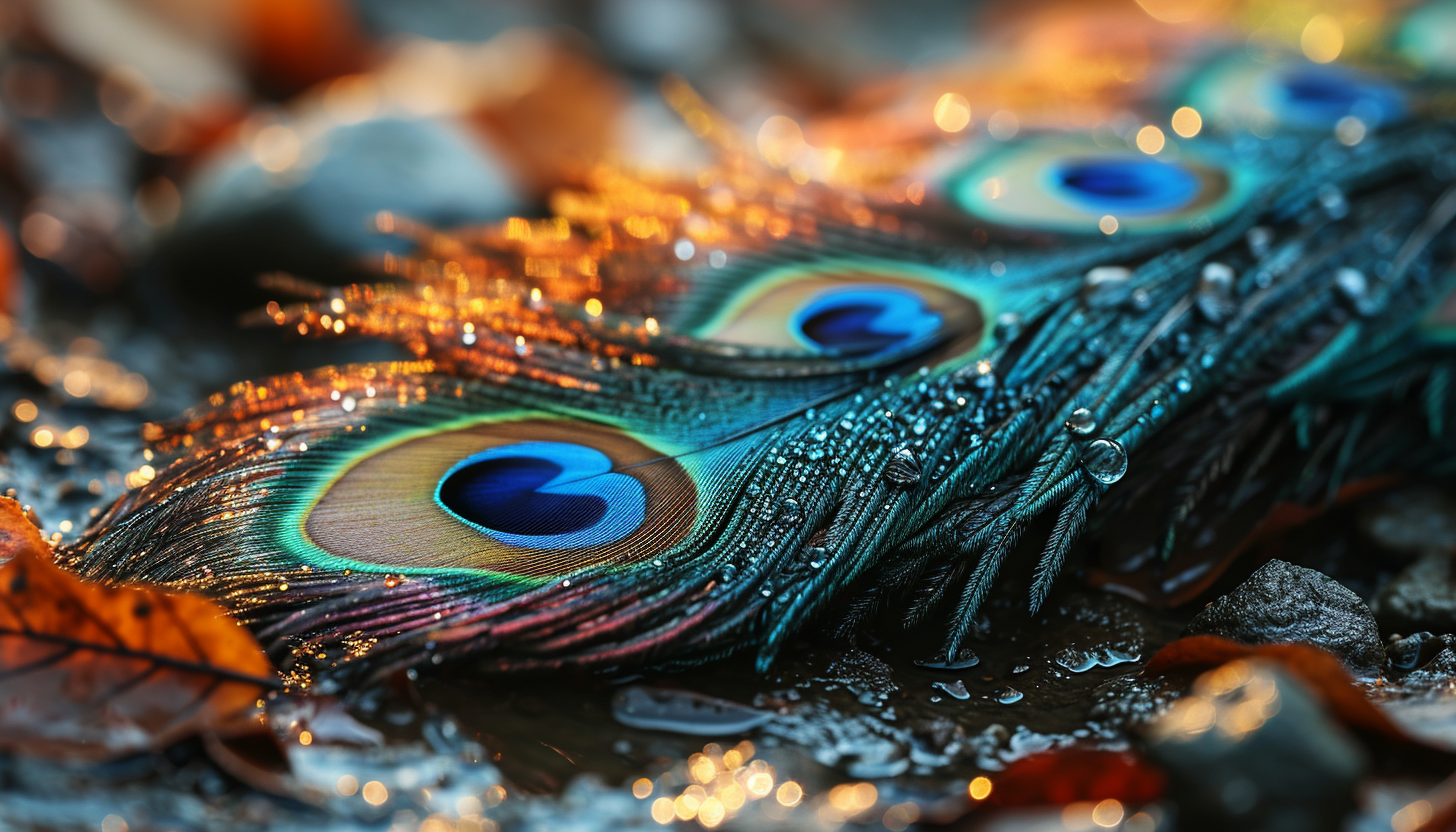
(863, 310)
(1068, 184)
(518, 495)
(1238, 92)
(1122, 185)
(1319, 95)
(543, 495)
(863, 319)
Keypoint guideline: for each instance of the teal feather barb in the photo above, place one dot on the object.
(679, 421)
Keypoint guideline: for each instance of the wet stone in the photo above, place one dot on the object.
(1413, 521)
(1406, 654)
(1421, 597)
(1439, 672)
(1250, 749)
(1283, 603)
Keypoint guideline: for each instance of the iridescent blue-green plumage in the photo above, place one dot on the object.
(847, 418)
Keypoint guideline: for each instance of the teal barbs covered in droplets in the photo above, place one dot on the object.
(679, 421)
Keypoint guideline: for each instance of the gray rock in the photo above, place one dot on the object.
(1283, 603)
(1248, 748)
(1422, 597)
(1439, 672)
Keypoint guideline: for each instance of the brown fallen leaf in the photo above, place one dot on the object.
(1321, 672)
(96, 672)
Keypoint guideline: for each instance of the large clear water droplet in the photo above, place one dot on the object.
(790, 511)
(1081, 422)
(1105, 460)
(904, 468)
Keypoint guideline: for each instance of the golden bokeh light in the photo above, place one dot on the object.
(1150, 140)
(1323, 39)
(952, 113)
(1187, 122)
(374, 793)
(1107, 813)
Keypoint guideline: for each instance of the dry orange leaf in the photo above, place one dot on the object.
(97, 672)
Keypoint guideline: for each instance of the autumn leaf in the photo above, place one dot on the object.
(1062, 776)
(98, 672)
(1320, 671)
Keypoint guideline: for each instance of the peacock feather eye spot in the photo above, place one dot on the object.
(1122, 185)
(867, 310)
(864, 319)
(522, 496)
(1319, 96)
(543, 495)
(1242, 93)
(1071, 185)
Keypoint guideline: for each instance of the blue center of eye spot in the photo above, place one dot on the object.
(1319, 96)
(1122, 185)
(543, 495)
(863, 319)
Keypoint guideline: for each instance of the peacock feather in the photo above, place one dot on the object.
(683, 418)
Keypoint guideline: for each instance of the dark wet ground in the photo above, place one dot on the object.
(839, 732)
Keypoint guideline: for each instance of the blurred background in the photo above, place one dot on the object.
(161, 159)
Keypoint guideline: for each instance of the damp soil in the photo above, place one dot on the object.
(449, 748)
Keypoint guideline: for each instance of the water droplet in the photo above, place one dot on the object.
(1008, 325)
(789, 510)
(1077, 661)
(964, 658)
(1215, 292)
(1355, 287)
(956, 689)
(1105, 460)
(683, 712)
(904, 468)
(1351, 282)
(1081, 422)
(1260, 238)
(1007, 695)
(1081, 661)
(1332, 199)
(1107, 285)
